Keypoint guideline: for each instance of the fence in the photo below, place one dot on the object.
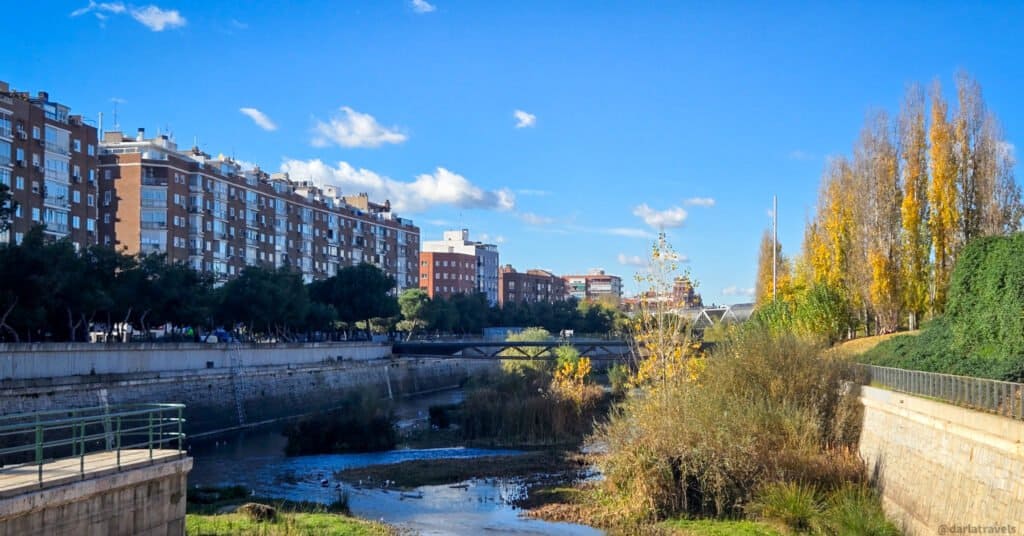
(993, 396)
(44, 437)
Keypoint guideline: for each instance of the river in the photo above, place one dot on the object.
(255, 459)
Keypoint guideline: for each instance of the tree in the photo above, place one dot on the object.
(267, 300)
(358, 293)
(944, 217)
(7, 207)
(414, 304)
(914, 207)
(766, 288)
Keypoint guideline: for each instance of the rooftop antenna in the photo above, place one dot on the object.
(117, 126)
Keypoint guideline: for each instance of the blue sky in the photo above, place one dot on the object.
(627, 105)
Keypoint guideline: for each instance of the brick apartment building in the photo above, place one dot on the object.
(596, 285)
(48, 160)
(218, 217)
(532, 286)
(486, 256)
(444, 274)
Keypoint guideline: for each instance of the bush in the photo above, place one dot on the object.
(856, 510)
(363, 423)
(765, 409)
(258, 512)
(797, 506)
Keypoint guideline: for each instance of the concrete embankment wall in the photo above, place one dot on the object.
(145, 501)
(240, 394)
(942, 467)
(52, 360)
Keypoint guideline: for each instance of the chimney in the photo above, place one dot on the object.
(43, 96)
(141, 136)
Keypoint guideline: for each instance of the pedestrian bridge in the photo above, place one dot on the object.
(595, 349)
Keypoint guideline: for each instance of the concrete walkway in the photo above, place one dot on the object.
(18, 479)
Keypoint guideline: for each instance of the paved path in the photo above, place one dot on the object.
(18, 479)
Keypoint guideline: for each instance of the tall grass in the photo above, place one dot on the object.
(767, 408)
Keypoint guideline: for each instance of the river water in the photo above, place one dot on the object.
(255, 459)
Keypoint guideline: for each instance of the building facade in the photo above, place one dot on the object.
(596, 285)
(532, 286)
(218, 217)
(444, 274)
(48, 161)
(486, 256)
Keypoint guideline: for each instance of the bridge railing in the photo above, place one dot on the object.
(43, 437)
(993, 396)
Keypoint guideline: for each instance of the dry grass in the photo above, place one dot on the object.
(859, 346)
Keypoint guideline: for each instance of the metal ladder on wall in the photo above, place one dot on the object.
(234, 368)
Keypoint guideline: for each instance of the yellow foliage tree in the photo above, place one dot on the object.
(942, 197)
(914, 207)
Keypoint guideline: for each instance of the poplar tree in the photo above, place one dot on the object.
(944, 217)
(914, 207)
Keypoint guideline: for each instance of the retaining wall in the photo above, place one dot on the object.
(944, 469)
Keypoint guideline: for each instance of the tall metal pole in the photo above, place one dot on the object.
(775, 243)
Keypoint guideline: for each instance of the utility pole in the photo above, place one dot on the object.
(775, 244)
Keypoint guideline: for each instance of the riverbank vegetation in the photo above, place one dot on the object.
(553, 465)
(230, 511)
(364, 422)
(529, 402)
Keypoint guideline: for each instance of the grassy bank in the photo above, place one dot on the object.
(287, 524)
(411, 474)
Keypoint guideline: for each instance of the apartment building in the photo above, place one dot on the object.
(596, 285)
(48, 160)
(532, 286)
(444, 274)
(486, 256)
(218, 217)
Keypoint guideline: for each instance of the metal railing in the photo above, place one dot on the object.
(993, 396)
(44, 437)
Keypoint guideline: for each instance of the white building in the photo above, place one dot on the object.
(487, 261)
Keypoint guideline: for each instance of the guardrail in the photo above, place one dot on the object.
(43, 437)
(993, 396)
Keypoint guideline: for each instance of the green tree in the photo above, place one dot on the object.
(414, 304)
(359, 294)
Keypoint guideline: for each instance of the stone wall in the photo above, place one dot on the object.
(145, 501)
(48, 360)
(217, 399)
(943, 468)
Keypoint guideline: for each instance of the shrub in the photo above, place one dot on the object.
(856, 510)
(765, 409)
(363, 423)
(258, 512)
(797, 506)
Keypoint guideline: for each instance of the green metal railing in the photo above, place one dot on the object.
(993, 396)
(43, 437)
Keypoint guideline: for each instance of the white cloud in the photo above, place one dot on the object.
(259, 118)
(524, 119)
(661, 219)
(632, 260)
(496, 239)
(99, 8)
(150, 16)
(422, 6)
(629, 232)
(442, 187)
(700, 202)
(535, 219)
(737, 291)
(354, 129)
(157, 19)
(537, 193)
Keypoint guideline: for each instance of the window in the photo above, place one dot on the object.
(90, 224)
(19, 183)
(77, 172)
(35, 215)
(92, 175)
(91, 200)
(19, 154)
(76, 145)
(76, 222)
(76, 196)
(106, 197)
(91, 150)
(107, 174)
(106, 219)
(35, 133)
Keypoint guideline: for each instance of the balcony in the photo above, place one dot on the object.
(154, 181)
(158, 225)
(55, 148)
(5, 160)
(5, 132)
